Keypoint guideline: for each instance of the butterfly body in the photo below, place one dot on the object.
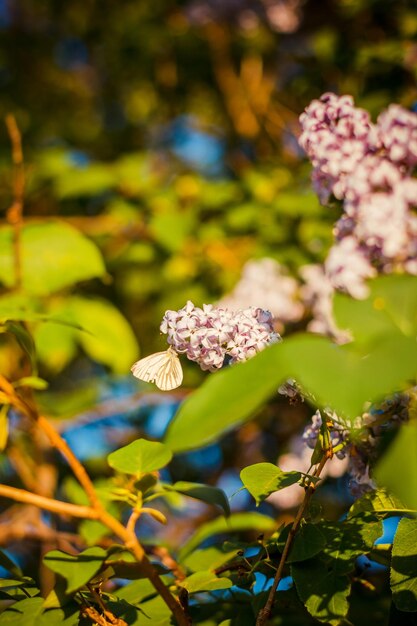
(162, 368)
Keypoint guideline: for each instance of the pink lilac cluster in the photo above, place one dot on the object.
(336, 136)
(209, 335)
(369, 167)
(264, 282)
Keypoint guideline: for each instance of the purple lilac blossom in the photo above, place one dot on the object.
(209, 335)
(368, 167)
(398, 134)
(265, 283)
(336, 136)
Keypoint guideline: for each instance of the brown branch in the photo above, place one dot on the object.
(265, 613)
(48, 504)
(102, 620)
(15, 212)
(106, 613)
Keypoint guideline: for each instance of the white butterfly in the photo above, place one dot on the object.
(162, 368)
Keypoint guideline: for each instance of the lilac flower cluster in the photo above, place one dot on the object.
(265, 282)
(209, 335)
(369, 167)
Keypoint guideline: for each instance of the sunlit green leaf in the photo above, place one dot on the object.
(262, 479)
(90, 181)
(324, 594)
(34, 382)
(205, 581)
(54, 255)
(109, 338)
(378, 501)
(347, 540)
(208, 558)
(391, 305)
(139, 457)
(345, 380)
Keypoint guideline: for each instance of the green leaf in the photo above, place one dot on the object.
(140, 457)
(88, 181)
(378, 501)
(205, 493)
(226, 399)
(22, 613)
(34, 382)
(209, 558)
(262, 479)
(399, 461)
(345, 380)
(324, 595)
(56, 345)
(170, 228)
(136, 591)
(92, 531)
(205, 581)
(54, 255)
(308, 542)
(156, 612)
(347, 540)
(392, 305)
(404, 566)
(10, 582)
(78, 569)
(67, 616)
(17, 307)
(236, 522)
(109, 338)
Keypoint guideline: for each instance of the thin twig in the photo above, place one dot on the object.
(265, 613)
(15, 212)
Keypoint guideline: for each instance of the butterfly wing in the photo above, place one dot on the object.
(170, 374)
(162, 368)
(147, 368)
